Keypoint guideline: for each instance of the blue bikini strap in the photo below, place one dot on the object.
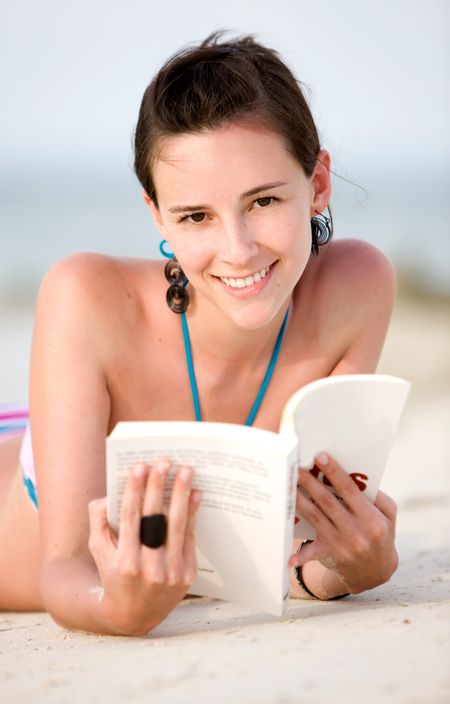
(264, 385)
(187, 347)
(269, 372)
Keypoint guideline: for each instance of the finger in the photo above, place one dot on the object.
(314, 515)
(305, 554)
(154, 494)
(189, 553)
(178, 517)
(344, 485)
(325, 499)
(101, 538)
(153, 559)
(129, 548)
(386, 505)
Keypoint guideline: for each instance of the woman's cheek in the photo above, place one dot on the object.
(293, 242)
(193, 258)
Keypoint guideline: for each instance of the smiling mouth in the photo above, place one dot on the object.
(248, 280)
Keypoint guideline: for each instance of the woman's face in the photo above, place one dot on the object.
(235, 208)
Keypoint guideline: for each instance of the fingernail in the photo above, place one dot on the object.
(162, 466)
(139, 470)
(322, 458)
(185, 473)
(195, 499)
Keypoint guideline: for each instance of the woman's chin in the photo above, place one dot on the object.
(256, 316)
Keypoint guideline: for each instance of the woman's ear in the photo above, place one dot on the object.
(154, 211)
(320, 183)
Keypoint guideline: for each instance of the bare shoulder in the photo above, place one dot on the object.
(96, 298)
(357, 276)
(99, 284)
(92, 274)
(353, 285)
(360, 265)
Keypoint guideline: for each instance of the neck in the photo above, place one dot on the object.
(217, 338)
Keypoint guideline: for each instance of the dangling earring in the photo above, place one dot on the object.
(177, 297)
(322, 232)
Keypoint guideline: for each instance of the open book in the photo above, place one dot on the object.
(246, 521)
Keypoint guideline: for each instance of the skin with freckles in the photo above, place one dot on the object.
(105, 340)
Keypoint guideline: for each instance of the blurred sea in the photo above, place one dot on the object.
(49, 213)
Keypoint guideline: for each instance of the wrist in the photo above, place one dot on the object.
(326, 585)
(323, 582)
(117, 621)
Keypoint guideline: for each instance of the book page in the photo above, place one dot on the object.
(243, 517)
(354, 418)
(228, 480)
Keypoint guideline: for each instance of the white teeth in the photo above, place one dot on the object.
(248, 281)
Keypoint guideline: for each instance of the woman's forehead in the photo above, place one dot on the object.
(236, 151)
(193, 146)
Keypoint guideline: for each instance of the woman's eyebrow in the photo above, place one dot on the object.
(251, 192)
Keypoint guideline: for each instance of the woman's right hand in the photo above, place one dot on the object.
(141, 585)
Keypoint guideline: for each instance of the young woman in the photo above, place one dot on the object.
(233, 173)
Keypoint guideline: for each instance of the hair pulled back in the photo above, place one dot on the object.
(217, 82)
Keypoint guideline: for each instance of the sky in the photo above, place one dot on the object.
(72, 75)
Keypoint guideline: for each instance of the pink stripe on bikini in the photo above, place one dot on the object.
(13, 414)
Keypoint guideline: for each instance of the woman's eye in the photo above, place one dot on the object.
(196, 217)
(200, 217)
(265, 201)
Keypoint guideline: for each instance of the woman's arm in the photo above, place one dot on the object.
(69, 408)
(129, 589)
(366, 283)
(72, 593)
(357, 554)
(78, 314)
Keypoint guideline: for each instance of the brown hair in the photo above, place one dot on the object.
(216, 82)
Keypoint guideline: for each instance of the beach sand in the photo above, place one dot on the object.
(391, 644)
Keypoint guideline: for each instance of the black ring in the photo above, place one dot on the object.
(153, 530)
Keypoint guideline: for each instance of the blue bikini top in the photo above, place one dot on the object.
(264, 385)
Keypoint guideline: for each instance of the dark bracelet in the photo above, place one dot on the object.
(299, 577)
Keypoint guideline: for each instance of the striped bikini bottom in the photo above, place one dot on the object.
(14, 420)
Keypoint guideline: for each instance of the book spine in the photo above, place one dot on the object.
(291, 491)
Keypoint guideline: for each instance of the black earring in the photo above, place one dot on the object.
(322, 232)
(177, 297)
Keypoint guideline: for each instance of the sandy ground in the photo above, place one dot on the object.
(391, 644)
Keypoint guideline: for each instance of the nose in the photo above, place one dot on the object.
(238, 245)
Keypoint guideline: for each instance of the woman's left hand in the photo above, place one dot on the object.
(356, 540)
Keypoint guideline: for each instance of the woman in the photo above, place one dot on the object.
(233, 173)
